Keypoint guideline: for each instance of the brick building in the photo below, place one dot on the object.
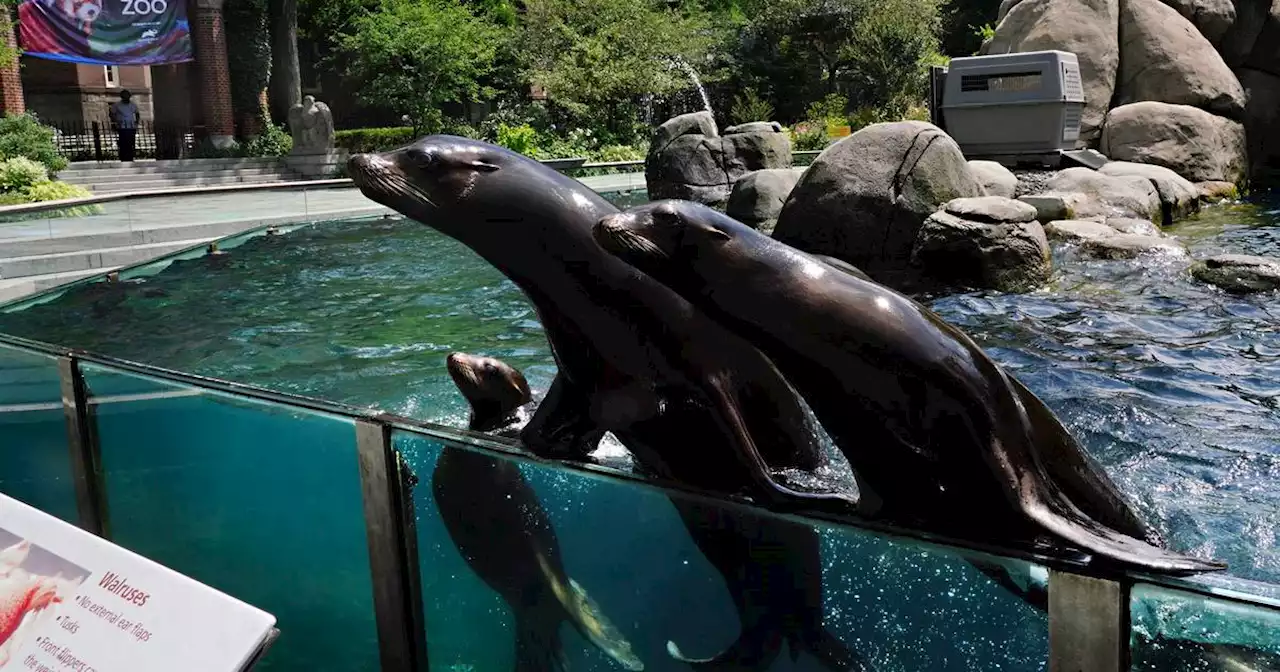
(194, 95)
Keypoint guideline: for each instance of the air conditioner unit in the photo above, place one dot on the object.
(1010, 106)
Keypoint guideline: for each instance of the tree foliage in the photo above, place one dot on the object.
(415, 56)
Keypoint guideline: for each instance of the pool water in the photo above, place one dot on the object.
(1172, 385)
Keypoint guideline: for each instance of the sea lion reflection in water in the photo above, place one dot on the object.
(505, 535)
(931, 425)
(691, 400)
(771, 567)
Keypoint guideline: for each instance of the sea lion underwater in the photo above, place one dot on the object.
(945, 440)
(689, 399)
(505, 535)
(772, 568)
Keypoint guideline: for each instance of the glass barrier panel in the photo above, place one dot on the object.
(35, 460)
(1179, 630)
(516, 556)
(50, 231)
(259, 500)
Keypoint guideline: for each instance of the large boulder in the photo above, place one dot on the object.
(1262, 117)
(1213, 192)
(1077, 230)
(865, 197)
(1164, 58)
(1239, 273)
(1131, 246)
(1178, 196)
(996, 180)
(1213, 18)
(961, 253)
(757, 197)
(1197, 145)
(689, 159)
(1141, 227)
(1087, 28)
(1109, 195)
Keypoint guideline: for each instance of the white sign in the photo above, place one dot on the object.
(73, 602)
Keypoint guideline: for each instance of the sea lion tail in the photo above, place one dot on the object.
(590, 620)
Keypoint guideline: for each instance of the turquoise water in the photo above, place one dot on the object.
(1172, 386)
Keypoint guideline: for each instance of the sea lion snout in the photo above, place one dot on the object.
(609, 231)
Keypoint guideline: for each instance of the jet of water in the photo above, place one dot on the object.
(679, 62)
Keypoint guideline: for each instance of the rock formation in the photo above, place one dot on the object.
(689, 159)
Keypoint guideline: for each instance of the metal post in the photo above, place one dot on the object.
(393, 551)
(86, 460)
(97, 142)
(1088, 624)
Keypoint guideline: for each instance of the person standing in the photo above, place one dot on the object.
(125, 119)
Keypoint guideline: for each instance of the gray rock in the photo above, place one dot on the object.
(1266, 51)
(1087, 28)
(1109, 196)
(688, 159)
(1197, 145)
(1213, 18)
(1164, 58)
(1178, 196)
(1140, 227)
(693, 123)
(1032, 181)
(1262, 116)
(1130, 246)
(1053, 206)
(1217, 191)
(963, 254)
(1076, 230)
(747, 151)
(757, 197)
(996, 180)
(1239, 273)
(865, 197)
(1005, 6)
(991, 210)
(755, 127)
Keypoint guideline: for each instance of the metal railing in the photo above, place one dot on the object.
(97, 141)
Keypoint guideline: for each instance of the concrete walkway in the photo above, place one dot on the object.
(51, 248)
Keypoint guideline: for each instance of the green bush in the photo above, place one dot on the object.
(24, 135)
(521, 139)
(18, 173)
(360, 140)
(808, 137)
(274, 141)
(49, 190)
(748, 106)
(610, 153)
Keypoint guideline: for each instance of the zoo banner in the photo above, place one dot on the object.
(106, 32)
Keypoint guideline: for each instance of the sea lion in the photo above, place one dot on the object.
(505, 535)
(772, 568)
(927, 420)
(689, 399)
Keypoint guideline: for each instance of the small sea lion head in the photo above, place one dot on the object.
(494, 388)
(663, 236)
(429, 175)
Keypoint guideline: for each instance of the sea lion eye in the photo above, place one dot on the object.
(422, 159)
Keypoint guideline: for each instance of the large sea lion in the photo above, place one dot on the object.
(677, 389)
(505, 535)
(772, 568)
(930, 424)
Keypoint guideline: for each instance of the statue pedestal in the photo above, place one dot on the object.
(316, 164)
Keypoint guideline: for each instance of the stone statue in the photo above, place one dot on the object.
(311, 124)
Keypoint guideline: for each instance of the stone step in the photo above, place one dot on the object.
(114, 186)
(84, 260)
(16, 288)
(144, 174)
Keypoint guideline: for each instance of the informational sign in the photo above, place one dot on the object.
(106, 32)
(73, 602)
(834, 131)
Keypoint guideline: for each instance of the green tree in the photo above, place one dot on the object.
(414, 56)
(597, 58)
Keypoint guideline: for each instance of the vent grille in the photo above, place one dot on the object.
(1008, 81)
(1071, 124)
(1071, 86)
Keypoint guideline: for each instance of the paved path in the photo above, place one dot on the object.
(251, 208)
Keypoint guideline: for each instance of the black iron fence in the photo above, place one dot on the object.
(98, 141)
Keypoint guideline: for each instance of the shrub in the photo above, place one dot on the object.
(18, 173)
(808, 137)
(610, 153)
(274, 141)
(521, 139)
(49, 190)
(374, 139)
(24, 135)
(748, 106)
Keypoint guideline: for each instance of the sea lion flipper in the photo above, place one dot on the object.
(562, 427)
(755, 649)
(749, 456)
